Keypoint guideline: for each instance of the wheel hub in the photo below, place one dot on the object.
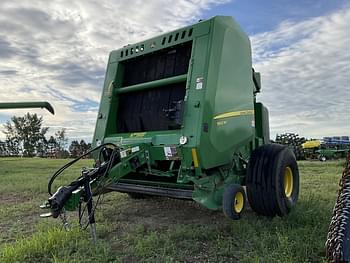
(288, 181)
(239, 202)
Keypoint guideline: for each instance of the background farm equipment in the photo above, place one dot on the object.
(179, 118)
(328, 148)
(294, 142)
(334, 148)
(311, 148)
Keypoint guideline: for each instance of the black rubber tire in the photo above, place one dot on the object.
(229, 200)
(265, 180)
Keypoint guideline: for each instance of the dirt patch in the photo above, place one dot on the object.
(15, 198)
(19, 215)
(18, 226)
(157, 213)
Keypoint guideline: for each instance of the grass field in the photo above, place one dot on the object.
(160, 229)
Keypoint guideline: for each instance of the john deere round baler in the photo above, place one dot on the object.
(179, 118)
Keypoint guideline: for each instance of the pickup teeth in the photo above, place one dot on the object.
(45, 206)
(45, 215)
(338, 239)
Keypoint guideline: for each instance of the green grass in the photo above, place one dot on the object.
(160, 229)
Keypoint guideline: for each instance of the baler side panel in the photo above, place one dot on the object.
(231, 91)
(103, 126)
(262, 122)
(194, 95)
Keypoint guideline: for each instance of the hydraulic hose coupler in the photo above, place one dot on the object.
(58, 200)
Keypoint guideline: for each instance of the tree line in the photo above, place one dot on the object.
(25, 136)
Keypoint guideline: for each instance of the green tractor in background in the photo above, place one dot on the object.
(179, 118)
(328, 148)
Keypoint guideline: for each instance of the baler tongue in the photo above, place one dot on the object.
(338, 239)
(45, 215)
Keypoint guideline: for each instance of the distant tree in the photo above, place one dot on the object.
(78, 148)
(3, 149)
(51, 147)
(12, 145)
(25, 134)
(63, 154)
(85, 147)
(74, 149)
(61, 139)
(61, 144)
(11, 142)
(42, 146)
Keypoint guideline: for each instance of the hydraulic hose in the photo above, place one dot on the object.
(64, 167)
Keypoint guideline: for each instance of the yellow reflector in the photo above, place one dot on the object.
(195, 158)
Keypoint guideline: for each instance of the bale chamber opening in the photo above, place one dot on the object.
(159, 108)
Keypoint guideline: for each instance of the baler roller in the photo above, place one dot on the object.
(153, 84)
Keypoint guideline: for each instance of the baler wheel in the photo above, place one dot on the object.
(272, 180)
(233, 201)
(323, 158)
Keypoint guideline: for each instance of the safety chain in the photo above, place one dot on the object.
(63, 216)
(337, 238)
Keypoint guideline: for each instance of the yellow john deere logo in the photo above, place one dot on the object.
(234, 114)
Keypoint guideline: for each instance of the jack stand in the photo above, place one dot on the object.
(88, 200)
(63, 216)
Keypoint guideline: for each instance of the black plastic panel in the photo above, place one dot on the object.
(161, 64)
(146, 110)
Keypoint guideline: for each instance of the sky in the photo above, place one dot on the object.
(57, 51)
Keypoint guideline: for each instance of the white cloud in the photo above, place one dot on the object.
(57, 50)
(305, 75)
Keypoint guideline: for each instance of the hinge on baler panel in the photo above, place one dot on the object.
(148, 160)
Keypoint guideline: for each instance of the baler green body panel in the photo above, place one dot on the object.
(189, 96)
(262, 122)
(228, 98)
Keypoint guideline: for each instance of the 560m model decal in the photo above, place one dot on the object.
(234, 114)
